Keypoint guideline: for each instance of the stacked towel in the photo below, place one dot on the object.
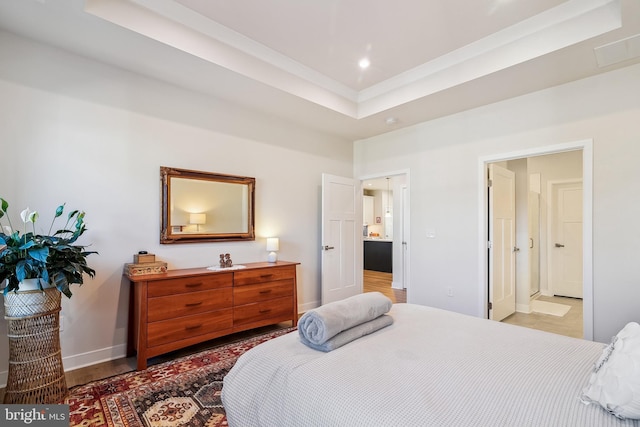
(335, 324)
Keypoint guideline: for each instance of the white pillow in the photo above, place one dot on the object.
(615, 382)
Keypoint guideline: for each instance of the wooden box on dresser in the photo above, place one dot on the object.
(179, 308)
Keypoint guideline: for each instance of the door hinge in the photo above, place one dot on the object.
(489, 244)
(490, 306)
(490, 183)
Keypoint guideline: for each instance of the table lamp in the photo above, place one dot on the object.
(273, 245)
(198, 219)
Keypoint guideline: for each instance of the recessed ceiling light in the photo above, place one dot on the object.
(391, 121)
(364, 63)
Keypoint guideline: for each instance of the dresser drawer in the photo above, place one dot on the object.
(250, 277)
(189, 284)
(181, 308)
(181, 328)
(261, 292)
(273, 308)
(171, 306)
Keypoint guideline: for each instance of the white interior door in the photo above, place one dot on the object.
(534, 242)
(502, 260)
(342, 245)
(405, 238)
(566, 244)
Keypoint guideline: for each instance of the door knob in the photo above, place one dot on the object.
(558, 245)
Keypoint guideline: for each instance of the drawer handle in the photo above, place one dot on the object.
(266, 276)
(189, 328)
(264, 311)
(266, 291)
(193, 304)
(193, 285)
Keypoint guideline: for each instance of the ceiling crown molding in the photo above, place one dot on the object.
(552, 30)
(169, 22)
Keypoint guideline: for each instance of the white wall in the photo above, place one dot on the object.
(77, 131)
(443, 156)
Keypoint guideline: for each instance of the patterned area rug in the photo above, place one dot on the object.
(181, 392)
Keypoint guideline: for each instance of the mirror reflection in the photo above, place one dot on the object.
(204, 206)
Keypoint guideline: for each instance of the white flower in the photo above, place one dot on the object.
(24, 215)
(28, 216)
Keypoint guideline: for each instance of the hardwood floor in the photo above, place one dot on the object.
(381, 282)
(373, 281)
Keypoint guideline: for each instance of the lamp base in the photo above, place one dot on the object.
(272, 257)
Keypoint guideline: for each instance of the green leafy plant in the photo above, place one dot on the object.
(52, 258)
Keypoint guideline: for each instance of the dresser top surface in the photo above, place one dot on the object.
(186, 272)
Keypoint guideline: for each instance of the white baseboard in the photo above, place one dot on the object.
(308, 306)
(93, 357)
(82, 360)
(523, 308)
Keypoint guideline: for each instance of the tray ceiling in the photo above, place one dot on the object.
(298, 60)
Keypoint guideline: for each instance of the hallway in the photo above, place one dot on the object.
(381, 282)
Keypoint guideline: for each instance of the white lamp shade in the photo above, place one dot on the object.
(273, 244)
(197, 218)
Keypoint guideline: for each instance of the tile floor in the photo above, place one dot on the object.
(571, 324)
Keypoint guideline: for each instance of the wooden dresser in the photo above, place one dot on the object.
(180, 308)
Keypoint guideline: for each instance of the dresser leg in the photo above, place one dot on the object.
(142, 363)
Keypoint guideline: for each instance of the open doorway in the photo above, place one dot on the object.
(553, 203)
(385, 235)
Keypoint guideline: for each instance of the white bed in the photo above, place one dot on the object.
(429, 368)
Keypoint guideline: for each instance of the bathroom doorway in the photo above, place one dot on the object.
(539, 302)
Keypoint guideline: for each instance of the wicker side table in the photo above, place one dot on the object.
(36, 374)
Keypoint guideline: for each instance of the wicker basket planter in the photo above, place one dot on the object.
(36, 374)
(30, 261)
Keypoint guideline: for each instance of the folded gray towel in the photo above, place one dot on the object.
(351, 334)
(317, 326)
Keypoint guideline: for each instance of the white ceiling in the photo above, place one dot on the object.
(331, 36)
(298, 59)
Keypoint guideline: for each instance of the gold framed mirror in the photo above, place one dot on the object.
(205, 207)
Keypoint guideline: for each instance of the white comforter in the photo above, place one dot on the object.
(430, 368)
